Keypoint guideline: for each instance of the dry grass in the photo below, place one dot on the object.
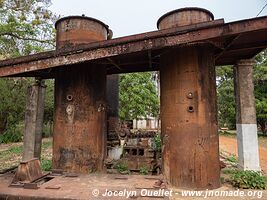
(11, 154)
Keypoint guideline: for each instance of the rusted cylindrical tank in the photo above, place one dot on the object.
(75, 30)
(184, 17)
(79, 135)
(189, 117)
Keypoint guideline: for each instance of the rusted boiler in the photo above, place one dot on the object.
(188, 107)
(80, 101)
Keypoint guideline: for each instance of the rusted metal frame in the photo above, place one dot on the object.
(113, 63)
(131, 47)
(107, 43)
(149, 58)
(251, 46)
(166, 32)
(227, 46)
(171, 31)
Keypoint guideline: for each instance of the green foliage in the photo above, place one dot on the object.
(46, 145)
(144, 170)
(138, 96)
(260, 82)
(15, 149)
(225, 93)
(12, 134)
(226, 99)
(157, 142)
(49, 101)
(248, 180)
(26, 27)
(228, 171)
(46, 164)
(12, 106)
(227, 133)
(122, 167)
(232, 159)
(11, 151)
(47, 129)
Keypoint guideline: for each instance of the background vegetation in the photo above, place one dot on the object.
(138, 96)
(226, 99)
(27, 27)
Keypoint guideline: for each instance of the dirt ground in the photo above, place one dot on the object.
(229, 144)
(10, 155)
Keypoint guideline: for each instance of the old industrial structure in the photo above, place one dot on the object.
(185, 49)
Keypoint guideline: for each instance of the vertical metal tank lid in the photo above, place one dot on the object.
(185, 9)
(82, 17)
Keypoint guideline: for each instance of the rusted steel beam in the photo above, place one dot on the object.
(118, 41)
(131, 44)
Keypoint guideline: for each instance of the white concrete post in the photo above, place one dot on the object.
(246, 125)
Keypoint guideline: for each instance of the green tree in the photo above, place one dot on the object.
(260, 82)
(49, 101)
(26, 27)
(225, 93)
(138, 96)
(12, 102)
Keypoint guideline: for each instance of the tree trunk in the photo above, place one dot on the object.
(3, 124)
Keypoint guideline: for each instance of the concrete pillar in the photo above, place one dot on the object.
(80, 118)
(113, 101)
(246, 125)
(34, 115)
(40, 119)
(189, 118)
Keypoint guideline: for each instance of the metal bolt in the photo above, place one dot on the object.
(190, 95)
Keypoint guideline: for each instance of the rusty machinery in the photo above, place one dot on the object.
(185, 49)
(80, 101)
(188, 108)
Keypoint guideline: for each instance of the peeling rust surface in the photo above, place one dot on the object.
(189, 121)
(72, 31)
(82, 187)
(80, 119)
(137, 43)
(113, 101)
(184, 17)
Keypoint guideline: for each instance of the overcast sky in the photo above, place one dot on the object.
(127, 17)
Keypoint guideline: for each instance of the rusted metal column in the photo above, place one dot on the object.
(80, 119)
(188, 110)
(113, 101)
(246, 125)
(34, 115)
(80, 102)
